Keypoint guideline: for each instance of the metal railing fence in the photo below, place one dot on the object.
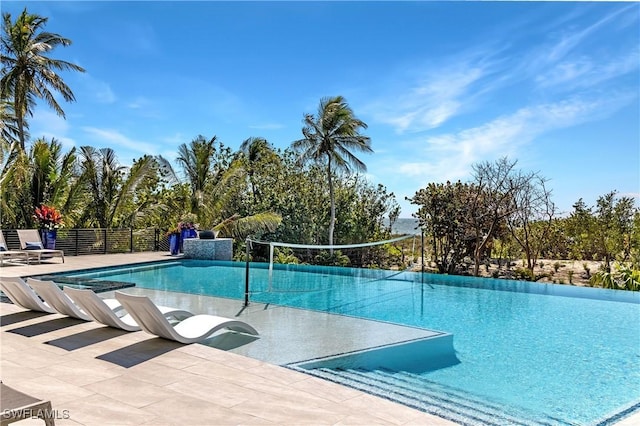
(78, 242)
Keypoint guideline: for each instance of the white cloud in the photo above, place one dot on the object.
(440, 95)
(455, 153)
(46, 123)
(267, 126)
(138, 103)
(113, 137)
(98, 90)
(570, 40)
(586, 72)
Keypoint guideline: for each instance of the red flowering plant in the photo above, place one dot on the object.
(48, 217)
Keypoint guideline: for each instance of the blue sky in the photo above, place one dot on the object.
(441, 85)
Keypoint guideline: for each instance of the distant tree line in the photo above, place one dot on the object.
(504, 213)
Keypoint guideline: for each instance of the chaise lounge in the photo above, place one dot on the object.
(58, 300)
(96, 307)
(5, 253)
(22, 295)
(31, 243)
(16, 405)
(191, 330)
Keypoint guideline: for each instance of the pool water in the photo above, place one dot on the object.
(555, 354)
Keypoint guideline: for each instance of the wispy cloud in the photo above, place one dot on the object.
(458, 85)
(570, 40)
(267, 126)
(46, 123)
(586, 72)
(111, 137)
(439, 94)
(96, 89)
(455, 153)
(138, 103)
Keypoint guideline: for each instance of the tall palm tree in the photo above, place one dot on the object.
(197, 161)
(329, 139)
(27, 72)
(254, 150)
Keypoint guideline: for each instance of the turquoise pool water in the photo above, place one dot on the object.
(555, 354)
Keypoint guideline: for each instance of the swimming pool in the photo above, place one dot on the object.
(543, 353)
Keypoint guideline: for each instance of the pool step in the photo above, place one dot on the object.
(417, 392)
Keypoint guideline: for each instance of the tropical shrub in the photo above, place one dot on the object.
(623, 278)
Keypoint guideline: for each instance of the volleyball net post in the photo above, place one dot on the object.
(246, 272)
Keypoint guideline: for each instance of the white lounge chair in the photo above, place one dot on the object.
(5, 253)
(96, 307)
(31, 242)
(190, 330)
(16, 405)
(58, 300)
(22, 295)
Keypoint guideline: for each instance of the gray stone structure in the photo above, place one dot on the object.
(216, 249)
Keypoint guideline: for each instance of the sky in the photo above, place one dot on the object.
(441, 85)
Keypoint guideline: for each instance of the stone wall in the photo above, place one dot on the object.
(216, 249)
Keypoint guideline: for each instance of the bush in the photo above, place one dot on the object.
(524, 274)
(284, 255)
(336, 259)
(624, 278)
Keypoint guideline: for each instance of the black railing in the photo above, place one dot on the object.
(78, 242)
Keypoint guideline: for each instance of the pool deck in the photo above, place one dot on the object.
(97, 375)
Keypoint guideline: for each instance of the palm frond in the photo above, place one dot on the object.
(241, 227)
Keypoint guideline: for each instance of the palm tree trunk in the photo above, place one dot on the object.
(20, 119)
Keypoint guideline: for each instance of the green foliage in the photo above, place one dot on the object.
(623, 278)
(527, 274)
(326, 258)
(284, 255)
(441, 212)
(608, 231)
(524, 274)
(27, 70)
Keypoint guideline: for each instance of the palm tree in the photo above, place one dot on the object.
(207, 171)
(329, 138)
(52, 172)
(43, 175)
(197, 161)
(111, 186)
(8, 126)
(254, 150)
(27, 72)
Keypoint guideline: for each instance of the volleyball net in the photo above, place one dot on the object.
(302, 268)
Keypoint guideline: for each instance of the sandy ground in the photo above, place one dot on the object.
(574, 272)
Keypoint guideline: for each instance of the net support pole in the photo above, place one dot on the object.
(270, 267)
(422, 251)
(246, 274)
(270, 261)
